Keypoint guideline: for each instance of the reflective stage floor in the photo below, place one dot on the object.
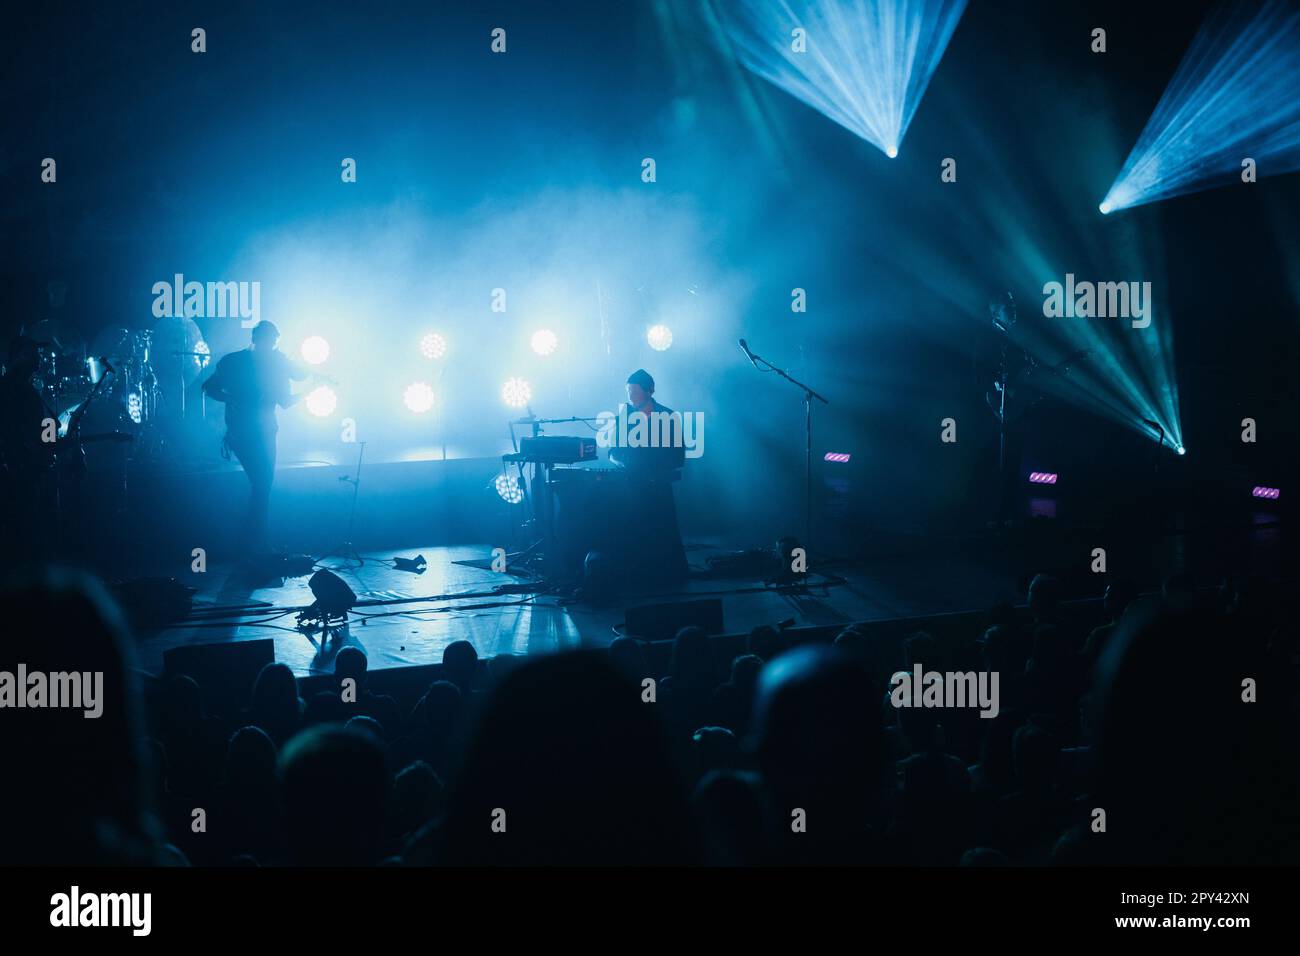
(415, 632)
(894, 578)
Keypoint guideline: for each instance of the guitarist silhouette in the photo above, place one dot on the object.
(1016, 375)
(252, 383)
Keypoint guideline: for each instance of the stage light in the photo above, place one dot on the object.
(314, 350)
(433, 346)
(659, 337)
(1042, 477)
(839, 456)
(1182, 450)
(544, 341)
(1227, 102)
(1104, 208)
(508, 488)
(516, 392)
(134, 407)
(418, 397)
(321, 401)
(1260, 491)
(334, 599)
(863, 65)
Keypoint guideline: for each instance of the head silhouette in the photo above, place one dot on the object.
(570, 762)
(459, 664)
(1188, 772)
(819, 740)
(336, 789)
(265, 336)
(78, 791)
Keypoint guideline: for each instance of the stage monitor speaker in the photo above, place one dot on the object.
(225, 672)
(661, 622)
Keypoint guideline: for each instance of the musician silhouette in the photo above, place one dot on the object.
(1000, 367)
(647, 514)
(252, 383)
(1016, 383)
(642, 460)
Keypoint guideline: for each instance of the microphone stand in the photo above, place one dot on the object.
(201, 359)
(346, 551)
(808, 395)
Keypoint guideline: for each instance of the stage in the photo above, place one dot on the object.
(408, 619)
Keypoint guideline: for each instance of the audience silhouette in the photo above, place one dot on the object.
(1160, 731)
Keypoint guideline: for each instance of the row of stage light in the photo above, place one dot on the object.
(419, 397)
(866, 66)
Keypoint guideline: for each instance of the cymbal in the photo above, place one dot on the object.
(175, 348)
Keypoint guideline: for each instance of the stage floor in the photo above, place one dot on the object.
(896, 577)
(402, 635)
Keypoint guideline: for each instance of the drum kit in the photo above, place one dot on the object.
(125, 385)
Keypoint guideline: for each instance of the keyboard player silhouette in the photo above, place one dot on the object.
(659, 462)
(632, 521)
(651, 551)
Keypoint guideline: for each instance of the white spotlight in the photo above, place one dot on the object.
(315, 350)
(544, 341)
(433, 346)
(321, 401)
(660, 337)
(418, 397)
(516, 392)
(509, 490)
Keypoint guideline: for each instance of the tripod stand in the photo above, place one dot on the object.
(346, 551)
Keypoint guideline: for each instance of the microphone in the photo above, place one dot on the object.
(108, 366)
(744, 347)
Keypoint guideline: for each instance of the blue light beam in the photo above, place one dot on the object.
(863, 63)
(1233, 97)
